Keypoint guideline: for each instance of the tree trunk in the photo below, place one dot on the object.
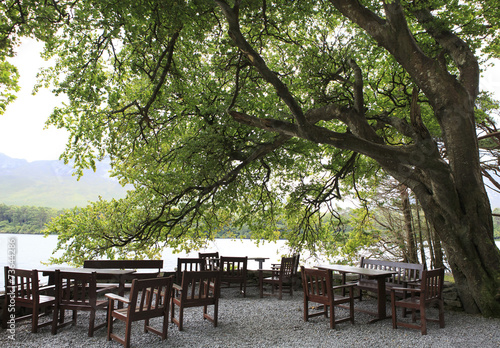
(411, 250)
(474, 262)
(421, 237)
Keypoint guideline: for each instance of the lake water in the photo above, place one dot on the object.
(29, 251)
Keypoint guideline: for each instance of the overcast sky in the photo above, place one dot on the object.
(22, 133)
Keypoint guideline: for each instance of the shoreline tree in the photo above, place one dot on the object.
(253, 111)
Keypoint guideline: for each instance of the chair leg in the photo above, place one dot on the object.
(165, 326)
(181, 318)
(55, 319)
(110, 323)
(423, 320)
(34, 318)
(91, 323)
(261, 285)
(351, 308)
(393, 310)
(332, 315)
(128, 328)
(306, 309)
(216, 313)
(441, 314)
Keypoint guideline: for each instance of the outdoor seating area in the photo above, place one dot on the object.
(197, 283)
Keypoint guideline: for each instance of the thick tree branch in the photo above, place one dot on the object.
(459, 51)
(258, 62)
(394, 35)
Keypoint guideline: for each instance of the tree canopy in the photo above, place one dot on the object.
(253, 112)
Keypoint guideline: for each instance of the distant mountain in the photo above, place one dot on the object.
(51, 184)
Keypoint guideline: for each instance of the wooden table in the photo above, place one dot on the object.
(371, 274)
(260, 260)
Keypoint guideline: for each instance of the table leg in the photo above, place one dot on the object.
(381, 298)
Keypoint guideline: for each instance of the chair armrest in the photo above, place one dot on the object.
(343, 286)
(176, 287)
(46, 287)
(405, 289)
(413, 282)
(116, 297)
(108, 288)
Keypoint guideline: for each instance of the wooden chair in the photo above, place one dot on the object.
(211, 260)
(281, 278)
(427, 292)
(197, 289)
(234, 270)
(22, 289)
(77, 291)
(149, 298)
(295, 270)
(188, 264)
(317, 285)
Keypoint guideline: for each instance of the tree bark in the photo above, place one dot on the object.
(450, 189)
(411, 250)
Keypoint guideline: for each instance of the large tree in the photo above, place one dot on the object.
(252, 111)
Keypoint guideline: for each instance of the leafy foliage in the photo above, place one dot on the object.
(244, 113)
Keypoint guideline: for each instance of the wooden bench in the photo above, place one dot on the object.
(153, 266)
(406, 273)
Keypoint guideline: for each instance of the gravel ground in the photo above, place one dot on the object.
(268, 322)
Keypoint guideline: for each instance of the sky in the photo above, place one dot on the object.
(22, 133)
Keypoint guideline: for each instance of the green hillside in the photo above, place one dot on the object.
(51, 184)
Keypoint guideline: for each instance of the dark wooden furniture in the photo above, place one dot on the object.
(188, 264)
(404, 274)
(234, 270)
(427, 292)
(295, 276)
(281, 278)
(77, 291)
(149, 298)
(197, 289)
(317, 285)
(152, 268)
(260, 260)
(211, 260)
(22, 289)
(378, 275)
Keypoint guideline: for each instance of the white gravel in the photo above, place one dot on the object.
(268, 322)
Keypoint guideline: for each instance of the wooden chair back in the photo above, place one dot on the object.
(77, 291)
(317, 285)
(211, 260)
(149, 298)
(22, 287)
(197, 289)
(234, 270)
(287, 268)
(432, 285)
(427, 292)
(281, 278)
(188, 264)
